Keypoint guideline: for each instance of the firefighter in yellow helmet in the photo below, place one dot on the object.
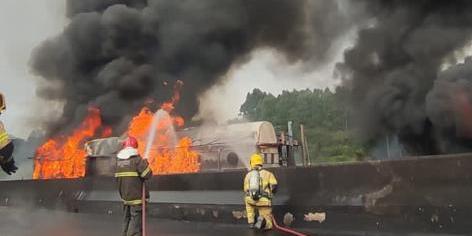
(6, 145)
(259, 186)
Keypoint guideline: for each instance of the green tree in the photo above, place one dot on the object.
(324, 113)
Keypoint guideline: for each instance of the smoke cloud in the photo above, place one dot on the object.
(395, 74)
(115, 54)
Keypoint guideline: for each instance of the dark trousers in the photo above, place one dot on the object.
(132, 225)
(6, 152)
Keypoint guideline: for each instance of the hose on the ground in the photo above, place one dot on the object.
(286, 230)
(278, 227)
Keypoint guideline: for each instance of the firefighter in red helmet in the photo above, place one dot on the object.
(131, 172)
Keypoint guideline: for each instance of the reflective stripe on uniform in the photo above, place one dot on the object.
(3, 139)
(127, 174)
(133, 202)
(263, 201)
(145, 172)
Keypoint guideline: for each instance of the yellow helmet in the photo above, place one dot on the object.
(256, 160)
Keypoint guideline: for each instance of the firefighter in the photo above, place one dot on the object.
(6, 145)
(259, 185)
(131, 172)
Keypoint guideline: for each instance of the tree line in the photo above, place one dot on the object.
(324, 113)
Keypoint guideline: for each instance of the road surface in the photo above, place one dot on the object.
(15, 222)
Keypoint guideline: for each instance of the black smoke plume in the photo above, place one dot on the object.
(396, 72)
(115, 54)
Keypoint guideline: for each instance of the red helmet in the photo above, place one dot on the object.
(130, 142)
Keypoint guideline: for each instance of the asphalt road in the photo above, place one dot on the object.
(16, 222)
(53, 223)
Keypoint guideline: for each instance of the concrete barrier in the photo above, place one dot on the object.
(423, 194)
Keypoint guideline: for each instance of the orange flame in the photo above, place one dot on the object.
(165, 157)
(179, 160)
(106, 132)
(64, 157)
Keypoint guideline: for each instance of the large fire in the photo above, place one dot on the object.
(65, 157)
(166, 155)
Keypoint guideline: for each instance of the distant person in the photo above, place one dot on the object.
(6, 145)
(131, 172)
(259, 186)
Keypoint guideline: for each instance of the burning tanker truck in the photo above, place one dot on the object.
(170, 148)
(216, 148)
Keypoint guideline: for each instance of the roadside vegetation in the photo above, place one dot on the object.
(324, 114)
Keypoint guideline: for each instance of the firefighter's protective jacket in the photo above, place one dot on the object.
(131, 171)
(4, 139)
(268, 183)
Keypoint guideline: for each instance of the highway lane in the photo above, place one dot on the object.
(15, 222)
(20, 222)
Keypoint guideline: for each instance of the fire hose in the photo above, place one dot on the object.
(277, 227)
(286, 230)
(143, 212)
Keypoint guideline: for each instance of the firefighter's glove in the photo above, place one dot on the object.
(9, 167)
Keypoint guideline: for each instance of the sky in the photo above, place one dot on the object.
(270, 72)
(25, 24)
(267, 71)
